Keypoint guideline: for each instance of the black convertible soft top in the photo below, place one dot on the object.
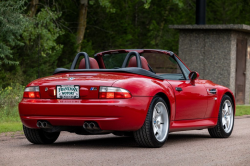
(133, 70)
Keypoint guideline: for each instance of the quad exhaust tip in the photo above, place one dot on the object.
(90, 126)
(86, 125)
(43, 124)
(39, 124)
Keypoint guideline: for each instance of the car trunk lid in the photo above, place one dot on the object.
(88, 83)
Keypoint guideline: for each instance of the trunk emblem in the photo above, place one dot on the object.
(71, 78)
(93, 88)
(46, 89)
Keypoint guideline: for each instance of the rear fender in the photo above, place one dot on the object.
(144, 87)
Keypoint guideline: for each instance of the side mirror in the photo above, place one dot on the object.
(193, 76)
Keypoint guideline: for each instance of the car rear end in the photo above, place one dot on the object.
(83, 100)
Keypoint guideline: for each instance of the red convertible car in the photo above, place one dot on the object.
(119, 92)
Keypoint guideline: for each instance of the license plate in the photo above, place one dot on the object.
(67, 91)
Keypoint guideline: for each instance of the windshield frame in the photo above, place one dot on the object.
(183, 67)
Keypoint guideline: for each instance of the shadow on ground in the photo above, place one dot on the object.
(113, 142)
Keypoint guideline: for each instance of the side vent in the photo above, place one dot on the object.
(212, 91)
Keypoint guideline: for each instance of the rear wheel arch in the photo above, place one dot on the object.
(165, 98)
(155, 129)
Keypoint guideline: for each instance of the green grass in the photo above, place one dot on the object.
(9, 114)
(242, 110)
(10, 120)
(10, 127)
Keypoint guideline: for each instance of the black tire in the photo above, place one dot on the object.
(145, 135)
(218, 131)
(38, 136)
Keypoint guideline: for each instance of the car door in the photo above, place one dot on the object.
(191, 100)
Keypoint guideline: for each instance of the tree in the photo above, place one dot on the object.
(41, 49)
(83, 9)
(57, 30)
(12, 24)
(33, 7)
(82, 23)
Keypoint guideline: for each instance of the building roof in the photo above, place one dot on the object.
(236, 27)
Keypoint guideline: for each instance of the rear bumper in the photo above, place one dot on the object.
(110, 114)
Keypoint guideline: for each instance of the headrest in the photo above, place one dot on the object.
(92, 61)
(144, 63)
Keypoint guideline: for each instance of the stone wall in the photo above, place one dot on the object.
(211, 51)
(202, 53)
(236, 35)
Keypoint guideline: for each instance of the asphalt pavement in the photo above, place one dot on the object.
(194, 147)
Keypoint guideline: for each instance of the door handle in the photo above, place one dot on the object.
(178, 89)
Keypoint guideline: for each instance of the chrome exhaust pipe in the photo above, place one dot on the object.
(91, 125)
(44, 125)
(39, 124)
(86, 125)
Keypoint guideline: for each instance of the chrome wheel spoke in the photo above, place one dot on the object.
(158, 111)
(224, 112)
(158, 133)
(226, 107)
(228, 123)
(223, 121)
(155, 130)
(160, 121)
(227, 116)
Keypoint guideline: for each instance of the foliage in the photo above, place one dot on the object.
(12, 23)
(9, 115)
(134, 26)
(38, 57)
(41, 48)
(48, 40)
(106, 4)
(11, 96)
(9, 99)
(42, 32)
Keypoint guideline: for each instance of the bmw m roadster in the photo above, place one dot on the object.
(119, 92)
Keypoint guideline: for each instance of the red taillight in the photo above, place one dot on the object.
(31, 95)
(102, 95)
(113, 93)
(110, 95)
(121, 95)
(32, 92)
